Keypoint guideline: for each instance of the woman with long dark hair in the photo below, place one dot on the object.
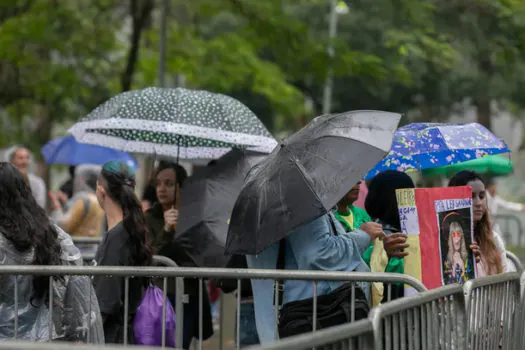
(28, 237)
(162, 222)
(381, 205)
(488, 248)
(125, 244)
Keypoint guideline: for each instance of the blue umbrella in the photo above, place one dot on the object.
(68, 151)
(421, 146)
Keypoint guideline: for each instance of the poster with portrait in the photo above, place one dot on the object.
(438, 222)
(455, 229)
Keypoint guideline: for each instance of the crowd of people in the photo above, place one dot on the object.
(101, 202)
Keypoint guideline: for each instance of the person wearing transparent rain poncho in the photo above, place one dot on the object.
(28, 237)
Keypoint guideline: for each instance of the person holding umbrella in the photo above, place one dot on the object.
(283, 219)
(162, 221)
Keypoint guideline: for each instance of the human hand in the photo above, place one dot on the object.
(394, 245)
(55, 204)
(373, 229)
(171, 217)
(477, 252)
(62, 197)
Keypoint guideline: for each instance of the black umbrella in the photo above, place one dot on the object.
(207, 200)
(306, 175)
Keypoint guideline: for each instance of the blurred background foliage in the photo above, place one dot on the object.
(60, 59)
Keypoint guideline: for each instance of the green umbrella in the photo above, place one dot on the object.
(182, 123)
(489, 165)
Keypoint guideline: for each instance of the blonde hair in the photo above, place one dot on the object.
(456, 227)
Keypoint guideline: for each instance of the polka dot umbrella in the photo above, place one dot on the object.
(181, 123)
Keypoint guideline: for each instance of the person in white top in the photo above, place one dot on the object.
(489, 247)
(495, 202)
(20, 157)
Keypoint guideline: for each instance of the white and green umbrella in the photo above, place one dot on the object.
(181, 123)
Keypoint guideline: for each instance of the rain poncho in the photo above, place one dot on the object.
(76, 315)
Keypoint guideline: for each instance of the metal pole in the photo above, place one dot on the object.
(332, 32)
(162, 49)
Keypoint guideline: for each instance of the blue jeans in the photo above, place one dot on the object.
(248, 330)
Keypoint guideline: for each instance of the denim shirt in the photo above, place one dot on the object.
(311, 247)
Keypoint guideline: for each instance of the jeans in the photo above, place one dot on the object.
(248, 330)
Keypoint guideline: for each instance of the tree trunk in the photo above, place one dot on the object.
(43, 131)
(140, 13)
(483, 113)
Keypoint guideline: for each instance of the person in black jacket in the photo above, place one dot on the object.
(162, 223)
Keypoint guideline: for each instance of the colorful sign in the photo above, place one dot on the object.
(438, 222)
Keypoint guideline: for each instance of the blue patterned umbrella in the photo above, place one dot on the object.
(421, 146)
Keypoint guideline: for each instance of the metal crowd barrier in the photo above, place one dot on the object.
(25, 345)
(491, 304)
(86, 240)
(515, 261)
(357, 335)
(486, 313)
(514, 222)
(177, 273)
(429, 320)
(519, 320)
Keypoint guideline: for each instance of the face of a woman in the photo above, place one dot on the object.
(479, 199)
(457, 235)
(165, 186)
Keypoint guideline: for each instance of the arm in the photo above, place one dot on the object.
(40, 191)
(159, 238)
(316, 248)
(70, 221)
(508, 205)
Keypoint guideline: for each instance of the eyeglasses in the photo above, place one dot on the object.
(456, 234)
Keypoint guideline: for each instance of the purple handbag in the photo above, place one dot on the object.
(147, 324)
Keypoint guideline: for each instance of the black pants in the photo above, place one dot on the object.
(191, 320)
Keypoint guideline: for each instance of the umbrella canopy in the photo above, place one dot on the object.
(489, 165)
(306, 176)
(207, 201)
(187, 124)
(422, 146)
(68, 151)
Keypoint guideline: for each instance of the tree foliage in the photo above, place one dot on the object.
(60, 59)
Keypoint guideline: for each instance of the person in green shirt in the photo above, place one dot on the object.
(350, 216)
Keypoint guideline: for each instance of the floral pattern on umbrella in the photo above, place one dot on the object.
(421, 146)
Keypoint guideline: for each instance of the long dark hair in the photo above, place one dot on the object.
(381, 200)
(483, 228)
(118, 180)
(26, 225)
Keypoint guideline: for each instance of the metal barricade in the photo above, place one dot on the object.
(23, 345)
(358, 335)
(86, 240)
(519, 320)
(491, 306)
(202, 274)
(431, 320)
(515, 261)
(510, 225)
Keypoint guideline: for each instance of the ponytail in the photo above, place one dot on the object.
(134, 222)
(119, 181)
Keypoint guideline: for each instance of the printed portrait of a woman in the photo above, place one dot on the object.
(457, 266)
